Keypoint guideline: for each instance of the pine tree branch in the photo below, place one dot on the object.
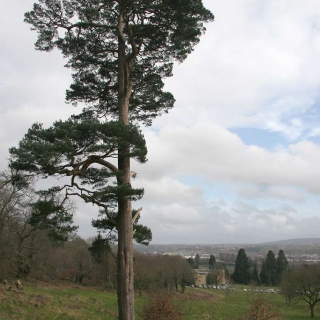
(136, 215)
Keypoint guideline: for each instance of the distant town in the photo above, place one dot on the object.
(296, 250)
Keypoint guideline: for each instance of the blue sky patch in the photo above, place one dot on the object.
(262, 138)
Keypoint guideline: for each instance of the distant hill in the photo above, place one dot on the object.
(294, 242)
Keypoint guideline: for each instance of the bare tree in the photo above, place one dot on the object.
(305, 282)
(20, 226)
(11, 197)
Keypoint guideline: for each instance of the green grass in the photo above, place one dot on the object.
(239, 302)
(58, 303)
(50, 302)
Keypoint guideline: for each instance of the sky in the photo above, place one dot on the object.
(237, 159)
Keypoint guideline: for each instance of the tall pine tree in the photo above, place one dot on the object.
(241, 272)
(212, 262)
(282, 266)
(119, 51)
(265, 277)
(271, 264)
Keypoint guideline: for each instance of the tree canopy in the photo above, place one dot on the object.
(105, 40)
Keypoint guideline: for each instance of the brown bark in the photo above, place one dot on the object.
(125, 262)
(124, 222)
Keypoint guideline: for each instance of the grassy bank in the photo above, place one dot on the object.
(48, 302)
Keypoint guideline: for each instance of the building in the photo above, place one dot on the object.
(201, 277)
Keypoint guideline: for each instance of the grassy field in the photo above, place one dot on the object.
(37, 302)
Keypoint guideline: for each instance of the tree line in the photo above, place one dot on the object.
(49, 249)
(37, 243)
(272, 271)
(38, 239)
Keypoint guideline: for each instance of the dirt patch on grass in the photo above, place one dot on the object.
(191, 295)
(14, 297)
(65, 286)
(203, 295)
(38, 300)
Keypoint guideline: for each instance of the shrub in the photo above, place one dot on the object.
(160, 308)
(261, 309)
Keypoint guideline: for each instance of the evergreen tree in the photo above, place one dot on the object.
(271, 264)
(99, 249)
(265, 277)
(51, 213)
(119, 51)
(197, 261)
(241, 272)
(282, 266)
(212, 262)
(74, 148)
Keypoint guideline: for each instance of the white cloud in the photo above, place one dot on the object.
(214, 153)
(238, 223)
(257, 66)
(168, 190)
(251, 192)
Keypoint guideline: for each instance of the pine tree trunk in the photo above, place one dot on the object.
(124, 223)
(125, 262)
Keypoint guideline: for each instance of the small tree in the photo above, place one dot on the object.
(100, 249)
